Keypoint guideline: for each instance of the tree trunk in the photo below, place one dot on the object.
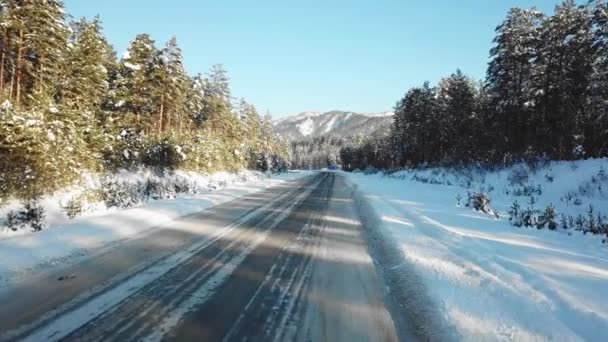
(169, 120)
(179, 131)
(18, 76)
(160, 115)
(12, 85)
(41, 76)
(2, 62)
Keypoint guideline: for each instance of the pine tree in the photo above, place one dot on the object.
(85, 82)
(459, 120)
(217, 84)
(595, 122)
(415, 126)
(195, 100)
(509, 80)
(562, 77)
(136, 80)
(172, 87)
(37, 34)
(216, 103)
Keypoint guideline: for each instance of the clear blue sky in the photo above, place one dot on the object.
(288, 56)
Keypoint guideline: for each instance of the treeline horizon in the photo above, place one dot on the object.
(69, 105)
(545, 95)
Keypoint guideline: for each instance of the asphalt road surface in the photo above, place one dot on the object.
(290, 263)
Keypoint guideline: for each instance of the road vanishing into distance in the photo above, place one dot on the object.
(290, 263)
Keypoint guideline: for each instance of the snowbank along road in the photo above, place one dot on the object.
(288, 263)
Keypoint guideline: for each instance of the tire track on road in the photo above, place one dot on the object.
(103, 324)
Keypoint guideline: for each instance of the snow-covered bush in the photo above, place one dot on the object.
(515, 215)
(156, 189)
(73, 208)
(163, 154)
(82, 202)
(32, 215)
(525, 190)
(183, 185)
(547, 218)
(480, 202)
(518, 175)
(370, 171)
(119, 193)
(123, 150)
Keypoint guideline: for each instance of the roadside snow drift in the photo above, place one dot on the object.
(488, 279)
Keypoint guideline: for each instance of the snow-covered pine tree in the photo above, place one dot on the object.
(85, 80)
(595, 121)
(172, 89)
(459, 120)
(509, 80)
(136, 80)
(195, 102)
(562, 78)
(415, 126)
(36, 35)
(217, 84)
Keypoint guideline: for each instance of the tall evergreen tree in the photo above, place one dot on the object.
(136, 80)
(562, 78)
(509, 78)
(37, 35)
(85, 81)
(172, 87)
(218, 84)
(415, 129)
(459, 120)
(595, 121)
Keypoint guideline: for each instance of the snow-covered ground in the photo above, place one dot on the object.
(66, 241)
(488, 279)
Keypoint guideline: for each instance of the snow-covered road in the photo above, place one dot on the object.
(287, 263)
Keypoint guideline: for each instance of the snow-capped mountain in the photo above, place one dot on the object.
(337, 123)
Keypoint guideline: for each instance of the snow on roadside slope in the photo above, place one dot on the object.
(55, 205)
(490, 280)
(68, 241)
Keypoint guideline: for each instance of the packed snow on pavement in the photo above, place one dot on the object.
(488, 279)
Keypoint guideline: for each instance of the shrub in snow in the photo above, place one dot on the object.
(163, 154)
(526, 190)
(459, 200)
(156, 189)
(120, 194)
(593, 226)
(123, 150)
(547, 218)
(182, 185)
(73, 208)
(480, 202)
(370, 171)
(515, 215)
(31, 215)
(80, 203)
(518, 175)
(529, 217)
(428, 180)
(12, 221)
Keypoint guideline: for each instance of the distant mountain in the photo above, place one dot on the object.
(336, 123)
